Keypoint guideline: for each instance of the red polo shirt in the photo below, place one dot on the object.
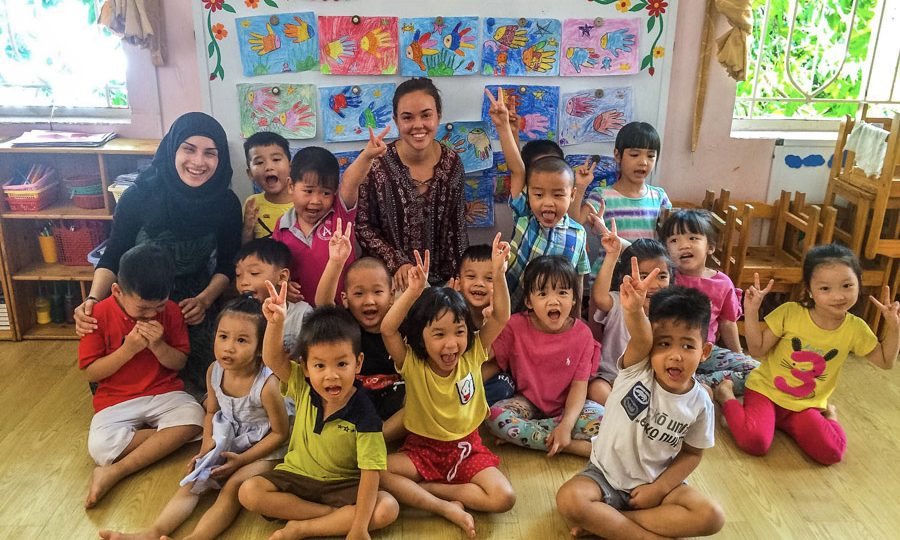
(143, 375)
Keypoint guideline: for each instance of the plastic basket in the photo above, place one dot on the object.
(81, 180)
(31, 200)
(90, 202)
(76, 239)
(117, 190)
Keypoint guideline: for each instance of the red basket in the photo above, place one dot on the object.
(90, 202)
(76, 239)
(81, 180)
(32, 200)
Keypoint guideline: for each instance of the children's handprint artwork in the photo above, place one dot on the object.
(286, 109)
(594, 115)
(605, 174)
(520, 47)
(345, 159)
(278, 43)
(358, 45)
(349, 111)
(499, 177)
(438, 46)
(608, 49)
(479, 192)
(535, 106)
(470, 140)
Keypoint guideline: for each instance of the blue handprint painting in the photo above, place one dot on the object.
(470, 140)
(608, 49)
(348, 111)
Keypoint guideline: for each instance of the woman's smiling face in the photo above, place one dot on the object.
(417, 119)
(196, 160)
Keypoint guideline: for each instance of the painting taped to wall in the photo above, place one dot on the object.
(470, 140)
(594, 115)
(438, 46)
(520, 47)
(479, 192)
(592, 47)
(280, 43)
(349, 111)
(345, 159)
(286, 109)
(536, 106)
(358, 45)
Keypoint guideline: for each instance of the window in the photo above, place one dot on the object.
(57, 61)
(815, 61)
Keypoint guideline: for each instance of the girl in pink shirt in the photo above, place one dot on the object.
(551, 354)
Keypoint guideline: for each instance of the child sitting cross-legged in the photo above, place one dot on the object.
(141, 411)
(328, 483)
(551, 355)
(658, 421)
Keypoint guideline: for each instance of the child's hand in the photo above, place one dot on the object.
(251, 214)
(375, 147)
(559, 438)
(135, 341)
(499, 256)
(454, 283)
(610, 240)
(646, 496)
(232, 463)
(633, 291)
(595, 219)
(193, 309)
(498, 111)
(889, 310)
(417, 277)
(339, 246)
(274, 307)
(294, 294)
(152, 332)
(584, 174)
(754, 294)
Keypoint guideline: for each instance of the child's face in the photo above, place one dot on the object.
(662, 279)
(237, 342)
(367, 294)
(676, 353)
(251, 274)
(269, 168)
(332, 368)
(311, 200)
(689, 251)
(834, 289)
(551, 307)
(476, 283)
(549, 195)
(445, 341)
(635, 164)
(136, 307)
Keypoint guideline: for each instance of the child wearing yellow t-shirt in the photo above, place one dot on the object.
(269, 167)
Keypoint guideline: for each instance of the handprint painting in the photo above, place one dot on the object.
(520, 47)
(605, 173)
(349, 111)
(358, 45)
(278, 43)
(479, 191)
(589, 49)
(286, 109)
(536, 108)
(438, 46)
(468, 139)
(594, 115)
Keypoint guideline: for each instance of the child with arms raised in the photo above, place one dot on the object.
(141, 411)
(367, 295)
(658, 422)
(803, 347)
(244, 432)
(550, 354)
(328, 483)
(443, 467)
(269, 167)
(315, 186)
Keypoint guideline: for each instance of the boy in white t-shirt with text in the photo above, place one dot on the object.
(658, 421)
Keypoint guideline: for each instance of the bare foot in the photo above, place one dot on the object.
(724, 391)
(457, 514)
(830, 412)
(114, 535)
(102, 480)
(294, 530)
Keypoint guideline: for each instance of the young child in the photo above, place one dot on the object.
(367, 295)
(269, 167)
(328, 483)
(803, 346)
(657, 424)
(551, 354)
(634, 204)
(244, 432)
(262, 260)
(141, 412)
(690, 238)
(314, 187)
(542, 226)
(442, 466)
(650, 255)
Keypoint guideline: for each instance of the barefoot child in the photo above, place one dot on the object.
(442, 466)
(328, 483)
(141, 412)
(244, 432)
(658, 422)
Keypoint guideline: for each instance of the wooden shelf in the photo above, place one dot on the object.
(64, 210)
(115, 146)
(51, 331)
(41, 271)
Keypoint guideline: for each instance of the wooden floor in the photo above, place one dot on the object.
(44, 469)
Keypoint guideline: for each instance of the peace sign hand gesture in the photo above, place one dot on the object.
(376, 147)
(633, 291)
(274, 307)
(417, 277)
(754, 294)
(889, 310)
(339, 246)
(498, 111)
(584, 174)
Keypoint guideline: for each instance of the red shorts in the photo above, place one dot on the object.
(450, 462)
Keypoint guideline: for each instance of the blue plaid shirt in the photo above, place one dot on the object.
(531, 240)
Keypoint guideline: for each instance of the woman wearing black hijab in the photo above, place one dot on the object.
(182, 202)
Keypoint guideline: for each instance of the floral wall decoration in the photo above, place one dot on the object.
(217, 31)
(656, 11)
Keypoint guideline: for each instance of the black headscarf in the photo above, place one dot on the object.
(183, 209)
